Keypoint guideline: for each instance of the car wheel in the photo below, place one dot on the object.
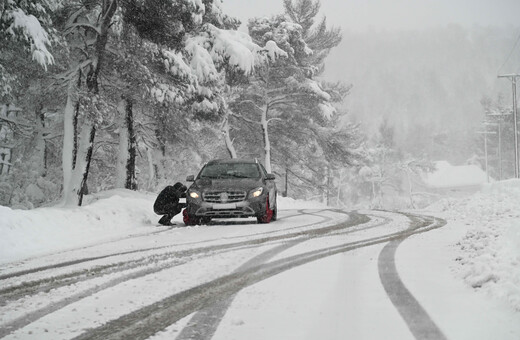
(268, 214)
(188, 219)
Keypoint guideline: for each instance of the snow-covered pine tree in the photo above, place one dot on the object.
(25, 26)
(88, 26)
(278, 83)
(284, 89)
(193, 82)
(185, 50)
(329, 134)
(320, 38)
(26, 62)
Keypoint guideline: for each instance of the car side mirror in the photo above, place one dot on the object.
(190, 178)
(270, 177)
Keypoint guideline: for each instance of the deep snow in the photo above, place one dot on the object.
(471, 264)
(105, 216)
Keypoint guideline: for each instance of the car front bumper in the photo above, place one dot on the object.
(248, 208)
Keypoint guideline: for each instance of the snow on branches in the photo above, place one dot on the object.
(31, 31)
(205, 54)
(216, 47)
(281, 30)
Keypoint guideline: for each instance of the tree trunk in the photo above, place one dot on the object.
(152, 182)
(92, 79)
(410, 191)
(125, 177)
(131, 182)
(39, 142)
(75, 187)
(267, 143)
(227, 138)
(338, 194)
(88, 158)
(122, 155)
(68, 159)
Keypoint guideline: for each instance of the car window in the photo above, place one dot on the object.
(230, 170)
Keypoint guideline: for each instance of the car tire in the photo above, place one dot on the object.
(188, 219)
(267, 215)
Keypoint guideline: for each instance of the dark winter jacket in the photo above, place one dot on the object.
(168, 199)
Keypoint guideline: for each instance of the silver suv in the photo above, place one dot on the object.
(231, 188)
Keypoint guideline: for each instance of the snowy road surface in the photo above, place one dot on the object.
(325, 274)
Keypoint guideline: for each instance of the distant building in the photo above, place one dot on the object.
(449, 178)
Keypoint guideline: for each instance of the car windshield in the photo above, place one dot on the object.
(230, 170)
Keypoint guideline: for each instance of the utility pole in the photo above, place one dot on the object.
(513, 78)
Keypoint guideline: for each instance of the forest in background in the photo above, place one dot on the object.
(137, 94)
(430, 84)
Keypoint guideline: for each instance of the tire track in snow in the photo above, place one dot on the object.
(147, 321)
(416, 318)
(51, 283)
(78, 261)
(205, 322)
(141, 250)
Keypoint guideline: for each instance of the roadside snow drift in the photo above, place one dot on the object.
(106, 215)
(489, 253)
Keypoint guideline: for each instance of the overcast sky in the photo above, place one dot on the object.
(393, 14)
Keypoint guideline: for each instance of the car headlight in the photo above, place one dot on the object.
(257, 192)
(194, 194)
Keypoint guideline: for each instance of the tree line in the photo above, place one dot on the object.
(101, 94)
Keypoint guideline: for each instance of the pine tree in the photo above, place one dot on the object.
(317, 36)
(280, 84)
(25, 26)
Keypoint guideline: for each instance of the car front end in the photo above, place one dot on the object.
(225, 199)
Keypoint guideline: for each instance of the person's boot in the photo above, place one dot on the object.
(165, 220)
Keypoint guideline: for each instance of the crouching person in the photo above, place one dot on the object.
(167, 203)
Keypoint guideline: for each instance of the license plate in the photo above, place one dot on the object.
(182, 200)
(224, 206)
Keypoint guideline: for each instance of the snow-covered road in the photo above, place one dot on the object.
(183, 281)
(317, 272)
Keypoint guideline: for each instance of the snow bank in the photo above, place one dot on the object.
(105, 216)
(291, 203)
(489, 253)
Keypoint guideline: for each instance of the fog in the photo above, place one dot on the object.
(426, 82)
(393, 15)
(424, 66)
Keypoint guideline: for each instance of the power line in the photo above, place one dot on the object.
(510, 53)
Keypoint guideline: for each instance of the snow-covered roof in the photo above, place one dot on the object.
(453, 176)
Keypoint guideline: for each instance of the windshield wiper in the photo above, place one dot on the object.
(239, 176)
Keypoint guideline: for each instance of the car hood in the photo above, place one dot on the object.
(244, 184)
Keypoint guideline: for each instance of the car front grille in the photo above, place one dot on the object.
(224, 196)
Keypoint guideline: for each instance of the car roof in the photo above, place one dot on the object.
(231, 160)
